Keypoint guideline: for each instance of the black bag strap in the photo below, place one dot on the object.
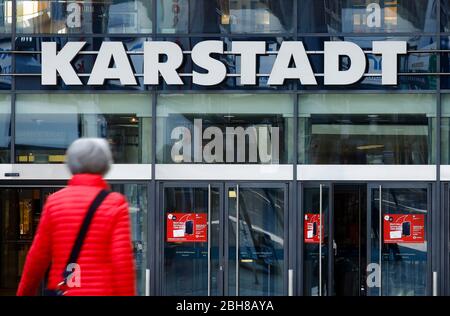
(76, 249)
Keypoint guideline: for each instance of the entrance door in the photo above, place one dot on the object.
(223, 239)
(192, 249)
(20, 210)
(341, 239)
(317, 244)
(256, 239)
(399, 256)
(349, 239)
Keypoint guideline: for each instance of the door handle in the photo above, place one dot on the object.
(290, 282)
(435, 283)
(335, 247)
(147, 282)
(209, 239)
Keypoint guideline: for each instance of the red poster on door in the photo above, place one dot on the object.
(404, 228)
(187, 227)
(312, 228)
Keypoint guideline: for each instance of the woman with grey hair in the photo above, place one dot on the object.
(84, 232)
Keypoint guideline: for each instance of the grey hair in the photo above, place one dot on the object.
(89, 155)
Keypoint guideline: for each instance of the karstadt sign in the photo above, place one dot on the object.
(291, 62)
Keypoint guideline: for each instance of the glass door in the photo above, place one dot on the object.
(398, 239)
(256, 239)
(191, 249)
(20, 210)
(317, 244)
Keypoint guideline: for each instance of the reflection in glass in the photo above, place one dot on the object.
(367, 16)
(404, 266)
(186, 263)
(47, 124)
(20, 211)
(225, 16)
(261, 241)
(5, 63)
(445, 130)
(136, 195)
(62, 17)
(224, 129)
(445, 16)
(445, 62)
(367, 129)
(312, 272)
(5, 16)
(5, 128)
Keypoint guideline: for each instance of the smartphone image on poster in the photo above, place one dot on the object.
(314, 229)
(189, 228)
(406, 228)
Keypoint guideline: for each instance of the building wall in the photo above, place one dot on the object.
(301, 136)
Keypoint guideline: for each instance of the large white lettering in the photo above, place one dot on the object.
(344, 63)
(302, 70)
(332, 61)
(389, 55)
(217, 71)
(168, 69)
(54, 63)
(101, 71)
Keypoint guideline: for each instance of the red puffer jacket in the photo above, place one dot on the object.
(106, 259)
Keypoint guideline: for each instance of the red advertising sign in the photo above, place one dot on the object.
(311, 228)
(187, 227)
(404, 228)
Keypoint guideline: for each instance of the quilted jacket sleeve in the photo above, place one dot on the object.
(122, 253)
(38, 258)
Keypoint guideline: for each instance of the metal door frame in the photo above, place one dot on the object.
(59, 184)
(445, 236)
(429, 231)
(223, 186)
(160, 229)
(300, 267)
(286, 248)
(41, 186)
(431, 234)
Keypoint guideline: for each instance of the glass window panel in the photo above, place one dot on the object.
(21, 212)
(367, 129)
(186, 262)
(99, 17)
(19, 217)
(404, 265)
(172, 16)
(136, 195)
(5, 128)
(225, 16)
(257, 224)
(47, 124)
(225, 129)
(445, 62)
(445, 129)
(5, 16)
(445, 15)
(5, 63)
(315, 266)
(367, 16)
